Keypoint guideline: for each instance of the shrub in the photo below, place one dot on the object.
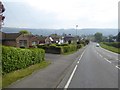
(114, 44)
(62, 44)
(79, 46)
(68, 48)
(60, 48)
(15, 58)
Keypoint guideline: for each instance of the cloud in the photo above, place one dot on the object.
(67, 13)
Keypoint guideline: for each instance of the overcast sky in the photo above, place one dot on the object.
(59, 14)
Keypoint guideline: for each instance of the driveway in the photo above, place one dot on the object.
(50, 76)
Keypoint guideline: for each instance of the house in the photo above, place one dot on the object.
(57, 39)
(68, 38)
(19, 40)
(48, 40)
(42, 39)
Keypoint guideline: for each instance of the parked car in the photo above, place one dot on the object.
(97, 45)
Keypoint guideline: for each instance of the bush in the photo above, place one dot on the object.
(62, 44)
(69, 48)
(114, 44)
(60, 48)
(15, 58)
(79, 46)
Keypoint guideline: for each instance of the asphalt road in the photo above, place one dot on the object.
(95, 68)
(51, 76)
(90, 67)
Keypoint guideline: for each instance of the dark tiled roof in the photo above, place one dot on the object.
(10, 36)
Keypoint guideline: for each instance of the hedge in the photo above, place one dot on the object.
(16, 58)
(60, 49)
(114, 44)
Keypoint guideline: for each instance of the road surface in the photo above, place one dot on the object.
(50, 76)
(90, 67)
(95, 68)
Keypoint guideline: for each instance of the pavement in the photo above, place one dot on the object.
(96, 68)
(51, 76)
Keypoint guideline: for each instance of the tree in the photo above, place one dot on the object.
(111, 38)
(2, 9)
(118, 37)
(24, 32)
(69, 42)
(98, 37)
(87, 41)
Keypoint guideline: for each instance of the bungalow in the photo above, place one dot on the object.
(69, 38)
(48, 40)
(19, 40)
(57, 39)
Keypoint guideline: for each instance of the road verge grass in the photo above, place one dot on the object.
(110, 48)
(16, 75)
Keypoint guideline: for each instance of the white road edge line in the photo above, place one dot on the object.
(107, 60)
(108, 51)
(69, 80)
(117, 67)
(66, 86)
(78, 61)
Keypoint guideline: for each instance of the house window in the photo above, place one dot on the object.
(23, 43)
(34, 43)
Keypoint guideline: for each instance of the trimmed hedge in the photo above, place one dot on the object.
(16, 58)
(114, 44)
(69, 48)
(60, 49)
(111, 48)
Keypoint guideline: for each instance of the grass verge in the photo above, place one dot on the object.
(14, 76)
(110, 48)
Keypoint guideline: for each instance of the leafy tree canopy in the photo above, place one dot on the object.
(24, 32)
(98, 36)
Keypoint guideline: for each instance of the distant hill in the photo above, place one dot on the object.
(47, 32)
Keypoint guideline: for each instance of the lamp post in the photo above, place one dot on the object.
(76, 29)
(76, 33)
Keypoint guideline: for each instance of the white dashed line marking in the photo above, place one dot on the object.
(107, 60)
(78, 61)
(117, 67)
(71, 76)
(100, 55)
(117, 59)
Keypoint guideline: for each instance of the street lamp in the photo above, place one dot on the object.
(76, 33)
(76, 29)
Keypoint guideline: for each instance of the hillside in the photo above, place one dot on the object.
(61, 31)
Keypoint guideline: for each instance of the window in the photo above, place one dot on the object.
(23, 43)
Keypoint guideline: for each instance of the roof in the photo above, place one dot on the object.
(10, 36)
(51, 39)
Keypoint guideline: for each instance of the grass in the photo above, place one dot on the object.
(14, 76)
(110, 48)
